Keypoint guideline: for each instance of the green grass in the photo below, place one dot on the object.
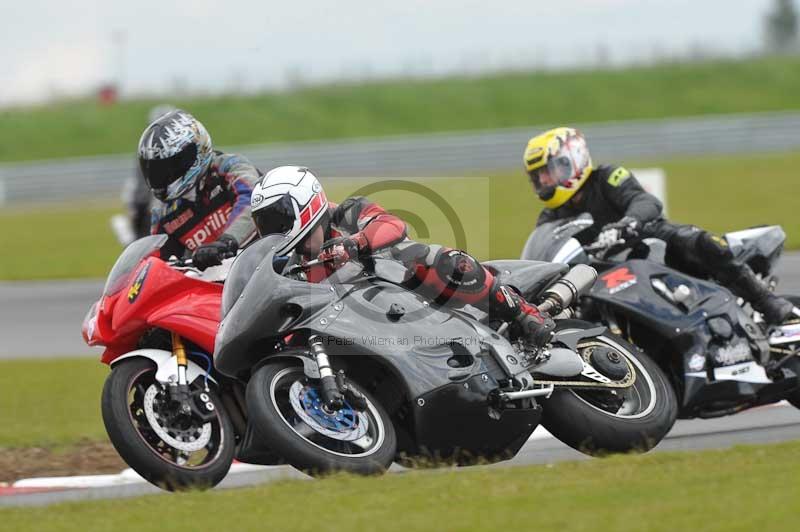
(497, 213)
(742, 489)
(406, 106)
(47, 241)
(50, 403)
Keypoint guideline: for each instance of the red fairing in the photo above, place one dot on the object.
(157, 296)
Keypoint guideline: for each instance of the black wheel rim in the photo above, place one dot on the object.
(183, 441)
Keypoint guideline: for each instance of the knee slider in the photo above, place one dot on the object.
(460, 271)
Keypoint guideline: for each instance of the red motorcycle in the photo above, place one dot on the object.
(167, 412)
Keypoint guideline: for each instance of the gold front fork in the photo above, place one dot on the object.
(179, 352)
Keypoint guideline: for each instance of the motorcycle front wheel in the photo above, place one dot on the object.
(601, 421)
(173, 450)
(287, 412)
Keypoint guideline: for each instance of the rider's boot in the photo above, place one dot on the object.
(535, 328)
(774, 309)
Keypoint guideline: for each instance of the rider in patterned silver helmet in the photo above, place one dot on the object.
(203, 195)
(174, 152)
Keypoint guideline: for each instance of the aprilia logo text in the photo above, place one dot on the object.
(208, 229)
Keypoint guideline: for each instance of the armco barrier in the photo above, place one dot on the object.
(430, 154)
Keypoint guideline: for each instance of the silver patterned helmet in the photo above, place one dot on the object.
(175, 151)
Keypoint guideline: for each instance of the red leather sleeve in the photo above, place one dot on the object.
(382, 230)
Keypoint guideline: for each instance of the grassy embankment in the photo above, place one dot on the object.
(407, 106)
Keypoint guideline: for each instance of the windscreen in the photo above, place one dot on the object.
(243, 269)
(258, 302)
(547, 239)
(127, 262)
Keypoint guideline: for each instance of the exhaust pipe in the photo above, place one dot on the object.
(567, 289)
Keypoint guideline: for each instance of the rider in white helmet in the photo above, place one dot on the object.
(290, 201)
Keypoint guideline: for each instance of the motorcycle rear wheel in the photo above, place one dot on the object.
(794, 397)
(284, 407)
(584, 421)
(132, 402)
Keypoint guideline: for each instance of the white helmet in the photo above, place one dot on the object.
(288, 201)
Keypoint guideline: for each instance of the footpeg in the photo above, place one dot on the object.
(786, 334)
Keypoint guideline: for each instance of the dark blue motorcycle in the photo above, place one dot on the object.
(719, 354)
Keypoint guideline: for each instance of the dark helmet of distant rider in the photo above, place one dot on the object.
(175, 153)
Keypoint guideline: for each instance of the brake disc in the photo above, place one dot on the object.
(187, 440)
(345, 424)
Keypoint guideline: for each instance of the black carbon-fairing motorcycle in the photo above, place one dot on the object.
(720, 355)
(358, 372)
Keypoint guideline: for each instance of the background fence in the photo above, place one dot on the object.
(431, 154)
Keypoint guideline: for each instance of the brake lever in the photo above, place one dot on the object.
(175, 262)
(301, 267)
(601, 250)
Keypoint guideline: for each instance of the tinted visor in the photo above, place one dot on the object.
(559, 171)
(277, 218)
(160, 173)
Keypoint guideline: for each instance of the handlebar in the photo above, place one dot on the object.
(597, 246)
(307, 265)
(177, 262)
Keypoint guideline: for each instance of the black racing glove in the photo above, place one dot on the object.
(212, 254)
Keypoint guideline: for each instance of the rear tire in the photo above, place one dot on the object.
(572, 418)
(295, 438)
(794, 397)
(129, 432)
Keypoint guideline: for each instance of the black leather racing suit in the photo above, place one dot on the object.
(219, 205)
(612, 192)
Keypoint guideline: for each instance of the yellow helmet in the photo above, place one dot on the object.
(558, 163)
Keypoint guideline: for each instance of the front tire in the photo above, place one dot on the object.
(596, 422)
(133, 408)
(286, 411)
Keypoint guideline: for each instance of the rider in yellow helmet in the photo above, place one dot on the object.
(565, 179)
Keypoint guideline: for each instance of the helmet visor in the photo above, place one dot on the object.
(559, 171)
(276, 218)
(160, 173)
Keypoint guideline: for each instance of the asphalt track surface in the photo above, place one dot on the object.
(770, 424)
(43, 320)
